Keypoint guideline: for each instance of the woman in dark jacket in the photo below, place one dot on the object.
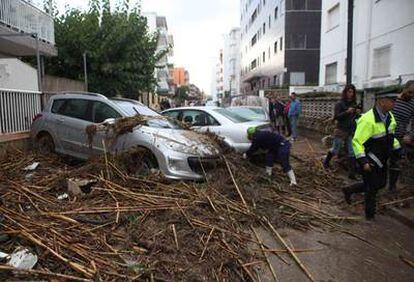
(346, 111)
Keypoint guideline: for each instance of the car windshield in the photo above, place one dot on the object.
(249, 113)
(133, 109)
(231, 116)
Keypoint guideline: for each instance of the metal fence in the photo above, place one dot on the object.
(17, 109)
(23, 16)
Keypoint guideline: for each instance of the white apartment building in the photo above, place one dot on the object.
(217, 85)
(383, 40)
(231, 62)
(279, 43)
(159, 24)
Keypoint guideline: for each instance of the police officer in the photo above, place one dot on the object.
(277, 149)
(374, 143)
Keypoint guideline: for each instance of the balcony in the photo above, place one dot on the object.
(19, 17)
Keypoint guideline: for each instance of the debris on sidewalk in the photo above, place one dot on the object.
(33, 166)
(23, 259)
(148, 227)
(80, 186)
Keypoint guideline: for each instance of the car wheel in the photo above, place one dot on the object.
(143, 162)
(45, 144)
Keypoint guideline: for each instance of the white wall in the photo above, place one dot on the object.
(333, 41)
(231, 62)
(377, 23)
(14, 74)
(274, 63)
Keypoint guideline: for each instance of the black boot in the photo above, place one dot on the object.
(351, 189)
(352, 168)
(327, 160)
(347, 195)
(392, 184)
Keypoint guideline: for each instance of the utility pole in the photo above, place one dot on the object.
(349, 42)
(85, 71)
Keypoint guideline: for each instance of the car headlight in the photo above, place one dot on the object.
(176, 164)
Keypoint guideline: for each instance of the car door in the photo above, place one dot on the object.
(74, 118)
(200, 120)
(101, 112)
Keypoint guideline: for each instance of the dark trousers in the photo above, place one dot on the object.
(281, 155)
(372, 182)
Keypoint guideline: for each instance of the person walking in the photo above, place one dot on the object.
(286, 117)
(373, 143)
(345, 113)
(276, 109)
(277, 149)
(404, 114)
(295, 110)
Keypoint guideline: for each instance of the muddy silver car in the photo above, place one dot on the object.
(177, 153)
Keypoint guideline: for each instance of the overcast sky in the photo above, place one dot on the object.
(197, 27)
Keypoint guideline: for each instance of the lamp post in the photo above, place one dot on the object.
(85, 71)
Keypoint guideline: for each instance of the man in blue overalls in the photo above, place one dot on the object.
(277, 149)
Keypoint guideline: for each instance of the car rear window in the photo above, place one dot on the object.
(57, 106)
(231, 116)
(75, 108)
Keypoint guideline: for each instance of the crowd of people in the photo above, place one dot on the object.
(375, 141)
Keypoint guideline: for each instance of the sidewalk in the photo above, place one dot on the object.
(370, 251)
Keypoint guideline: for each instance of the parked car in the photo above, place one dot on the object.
(223, 122)
(176, 152)
(250, 112)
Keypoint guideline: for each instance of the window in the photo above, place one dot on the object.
(275, 47)
(297, 78)
(297, 41)
(57, 106)
(270, 19)
(381, 62)
(253, 64)
(331, 73)
(275, 80)
(253, 17)
(281, 43)
(76, 108)
(231, 116)
(276, 12)
(333, 17)
(296, 5)
(264, 57)
(264, 28)
(199, 118)
(254, 40)
(101, 112)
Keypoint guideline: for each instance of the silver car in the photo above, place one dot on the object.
(230, 126)
(177, 153)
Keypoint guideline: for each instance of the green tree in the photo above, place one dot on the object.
(182, 94)
(121, 53)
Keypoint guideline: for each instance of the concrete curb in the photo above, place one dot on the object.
(401, 217)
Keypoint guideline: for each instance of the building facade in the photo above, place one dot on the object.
(219, 78)
(165, 42)
(280, 42)
(382, 43)
(231, 62)
(181, 77)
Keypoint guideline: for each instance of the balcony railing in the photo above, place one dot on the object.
(24, 17)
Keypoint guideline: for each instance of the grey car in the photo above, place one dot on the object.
(178, 153)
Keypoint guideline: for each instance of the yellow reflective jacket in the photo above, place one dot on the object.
(374, 140)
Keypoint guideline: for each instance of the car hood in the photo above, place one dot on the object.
(186, 141)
